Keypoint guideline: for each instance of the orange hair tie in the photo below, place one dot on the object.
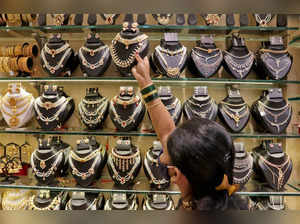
(226, 186)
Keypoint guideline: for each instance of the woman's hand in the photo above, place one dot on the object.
(141, 71)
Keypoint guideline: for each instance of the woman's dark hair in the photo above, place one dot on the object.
(203, 151)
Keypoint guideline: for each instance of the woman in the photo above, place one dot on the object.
(199, 153)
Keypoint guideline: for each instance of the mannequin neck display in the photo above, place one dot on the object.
(158, 202)
(206, 42)
(122, 201)
(47, 162)
(273, 165)
(53, 108)
(170, 42)
(233, 110)
(84, 201)
(127, 110)
(56, 41)
(200, 105)
(124, 163)
(162, 19)
(157, 174)
(243, 164)
(86, 163)
(272, 111)
(17, 106)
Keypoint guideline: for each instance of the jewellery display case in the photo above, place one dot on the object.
(87, 89)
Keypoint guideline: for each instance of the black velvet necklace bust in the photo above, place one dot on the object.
(47, 162)
(233, 111)
(126, 110)
(87, 161)
(85, 201)
(94, 56)
(158, 202)
(200, 105)
(124, 163)
(238, 60)
(243, 165)
(93, 109)
(274, 60)
(169, 58)
(272, 112)
(125, 46)
(272, 165)
(54, 108)
(57, 57)
(162, 19)
(171, 102)
(205, 59)
(122, 201)
(157, 173)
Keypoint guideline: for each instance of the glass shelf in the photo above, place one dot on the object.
(249, 83)
(70, 28)
(110, 132)
(141, 186)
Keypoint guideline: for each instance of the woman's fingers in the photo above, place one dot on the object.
(138, 58)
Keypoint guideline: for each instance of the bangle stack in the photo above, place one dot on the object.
(26, 49)
(149, 93)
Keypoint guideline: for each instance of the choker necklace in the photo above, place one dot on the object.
(276, 116)
(99, 62)
(129, 176)
(48, 104)
(87, 158)
(50, 171)
(170, 52)
(43, 161)
(263, 21)
(54, 52)
(124, 63)
(153, 179)
(92, 52)
(125, 123)
(209, 58)
(164, 20)
(237, 67)
(59, 65)
(172, 72)
(93, 204)
(54, 205)
(279, 168)
(117, 100)
(91, 170)
(201, 114)
(92, 102)
(235, 115)
(54, 117)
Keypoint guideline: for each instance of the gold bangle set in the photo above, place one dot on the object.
(27, 50)
(15, 64)
(13, 19)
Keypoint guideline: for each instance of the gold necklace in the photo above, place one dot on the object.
(207, 50)
(54, 52)
(127, 42)
(54, 205)
(117, 100)
(279, 168)
(175, 71)
(90, 156)
(99, 62)
(43, 161)
(12, 102)
(48, 104)
(236, 116)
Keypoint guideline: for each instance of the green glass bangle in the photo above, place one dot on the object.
(148, 89)
(151, 97)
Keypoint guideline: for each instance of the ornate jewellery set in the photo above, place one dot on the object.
(162, 19)
(235, 114)
(127, 109)
(110, 18)
(15, 200)
(103, 49)
(17, 106)
(125, 46)
(243, 165)
(263, 19)
(124, 162)
(93, 110)
(51, 108)
(173, 61)
(156, 173)
(274, 59)
(274, 114)
(172, 103)
(53, 204)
